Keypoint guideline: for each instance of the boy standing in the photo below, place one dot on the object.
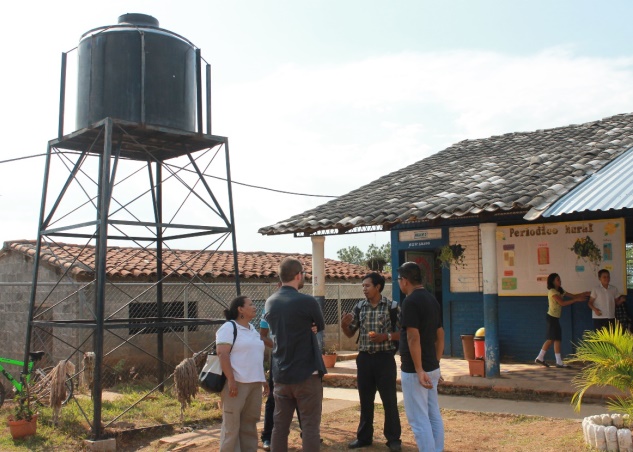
(603, 300)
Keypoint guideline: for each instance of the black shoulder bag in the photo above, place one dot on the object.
(212, 379)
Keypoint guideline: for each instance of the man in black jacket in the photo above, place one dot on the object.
(297, 365)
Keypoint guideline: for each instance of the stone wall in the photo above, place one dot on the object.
(16, 273)
(74, 300)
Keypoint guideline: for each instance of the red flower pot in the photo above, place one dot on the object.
(329, 360)
(22, 428)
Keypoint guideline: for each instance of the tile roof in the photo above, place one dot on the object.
(132, 263)
(512, 172)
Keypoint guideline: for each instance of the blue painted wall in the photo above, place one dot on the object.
(521, 319)
(521, 324)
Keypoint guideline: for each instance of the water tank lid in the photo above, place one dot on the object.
(138, 19)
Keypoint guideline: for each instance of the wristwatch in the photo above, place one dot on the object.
(388, 336)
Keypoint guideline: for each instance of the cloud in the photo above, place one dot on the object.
(397, 109)
(332, 128)
(328, 129)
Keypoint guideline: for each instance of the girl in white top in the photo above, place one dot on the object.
(243, 364)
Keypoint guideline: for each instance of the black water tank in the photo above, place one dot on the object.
(137, 72)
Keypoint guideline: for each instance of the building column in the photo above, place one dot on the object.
(491, 297)
(318, 277)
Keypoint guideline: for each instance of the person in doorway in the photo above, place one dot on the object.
(603, 300)
(376, 320)
(297, 365)
(242, 363)
(421, 348)
(557, 298)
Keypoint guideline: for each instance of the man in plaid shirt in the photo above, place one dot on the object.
(376, 320)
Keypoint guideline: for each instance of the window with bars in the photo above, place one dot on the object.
(174, 309)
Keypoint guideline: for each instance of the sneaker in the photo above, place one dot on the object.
(266, 445)
(542, 363)
(563, 366)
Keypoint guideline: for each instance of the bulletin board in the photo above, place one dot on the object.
(527, 254)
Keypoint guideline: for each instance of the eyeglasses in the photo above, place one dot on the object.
(399, 278)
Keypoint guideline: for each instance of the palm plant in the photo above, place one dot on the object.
(607, 356)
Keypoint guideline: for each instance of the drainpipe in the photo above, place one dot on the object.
(318, 277)
(491, 297)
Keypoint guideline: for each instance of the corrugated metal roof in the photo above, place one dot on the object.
(609, 188)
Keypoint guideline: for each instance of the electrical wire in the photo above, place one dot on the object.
(258, 187)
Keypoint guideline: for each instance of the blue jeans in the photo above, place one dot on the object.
(423, 411)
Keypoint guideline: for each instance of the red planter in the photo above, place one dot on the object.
(477, 367)
(22, 428)
(329, 360)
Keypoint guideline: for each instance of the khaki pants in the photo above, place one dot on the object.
(239, 417)
(307, 398)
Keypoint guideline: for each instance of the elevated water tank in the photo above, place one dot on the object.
(137, 72)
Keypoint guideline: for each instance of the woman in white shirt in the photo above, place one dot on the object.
(243, 364)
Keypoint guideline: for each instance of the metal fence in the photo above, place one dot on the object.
(131, 352)
(134, 355)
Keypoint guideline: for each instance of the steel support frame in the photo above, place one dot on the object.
(108, 162)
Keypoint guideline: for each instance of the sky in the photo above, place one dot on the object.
(322, 97)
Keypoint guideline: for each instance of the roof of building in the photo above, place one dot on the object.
(515, 172)
(139, 263)
(610, 188)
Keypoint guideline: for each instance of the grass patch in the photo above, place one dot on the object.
(523, 419)
(73, 427)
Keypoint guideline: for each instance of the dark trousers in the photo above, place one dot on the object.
(269, 410)
(377, 371)
(601, 323)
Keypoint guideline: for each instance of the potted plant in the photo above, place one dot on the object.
(23, 421)
(586, 249)
(452, 255)
(329, 356)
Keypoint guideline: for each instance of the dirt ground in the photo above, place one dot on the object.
(465, 431)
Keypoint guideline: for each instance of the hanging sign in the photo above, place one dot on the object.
(527, 254)
(420, 234)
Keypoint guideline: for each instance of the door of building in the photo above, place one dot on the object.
(431, 273)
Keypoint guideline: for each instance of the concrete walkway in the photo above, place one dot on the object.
(517, 381)
(526, 389)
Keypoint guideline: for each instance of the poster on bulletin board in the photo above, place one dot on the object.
(527, 254)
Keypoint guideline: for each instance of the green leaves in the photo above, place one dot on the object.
(452, 254)
(607, 356)
(376, 258)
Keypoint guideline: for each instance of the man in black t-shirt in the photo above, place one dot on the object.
(421, 346)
